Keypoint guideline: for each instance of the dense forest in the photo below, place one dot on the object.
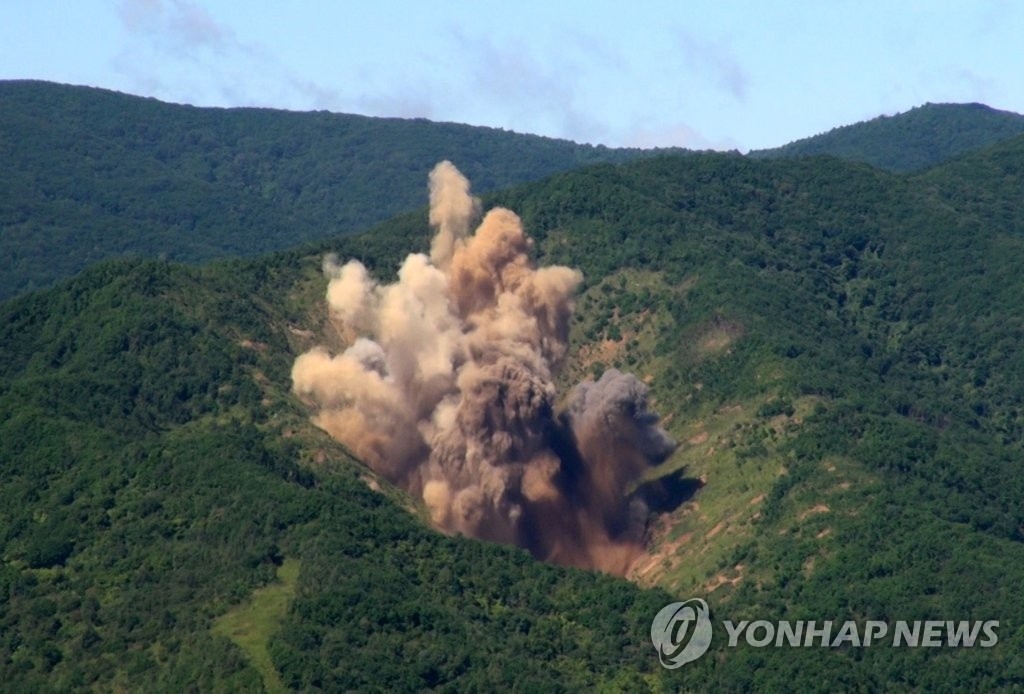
(910, 141)
(836, 347)
(92, 174)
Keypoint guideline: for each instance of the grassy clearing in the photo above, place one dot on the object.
(251, 624)
(691, 544)
(733, 452)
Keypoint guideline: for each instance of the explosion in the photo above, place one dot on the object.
(447, 390)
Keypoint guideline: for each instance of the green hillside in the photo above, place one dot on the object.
(92, 174)
(155, 473)
(910, 141)
(834, 346)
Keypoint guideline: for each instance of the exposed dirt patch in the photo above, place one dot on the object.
(819, 508)
(661, 553)
(715, 530)
(722, 579)
(647, 567)
(603, 352)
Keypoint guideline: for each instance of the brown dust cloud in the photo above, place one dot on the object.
(447, 389)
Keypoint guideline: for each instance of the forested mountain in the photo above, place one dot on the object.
(92, 174)
(835, 346)
(910, 141)
(89, 174)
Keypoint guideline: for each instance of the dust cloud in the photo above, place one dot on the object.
(448, 390)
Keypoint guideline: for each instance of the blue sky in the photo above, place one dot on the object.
(720, 74)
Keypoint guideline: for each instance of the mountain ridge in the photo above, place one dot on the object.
(910, 141)
(84, 164)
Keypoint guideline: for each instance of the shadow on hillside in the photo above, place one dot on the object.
(668, 493)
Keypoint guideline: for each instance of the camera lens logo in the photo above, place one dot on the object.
(681, 632)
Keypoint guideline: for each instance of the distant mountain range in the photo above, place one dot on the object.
(91, 174)
(910, 141)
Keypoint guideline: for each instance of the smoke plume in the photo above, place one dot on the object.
(447, 389)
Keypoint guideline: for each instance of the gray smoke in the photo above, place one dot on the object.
(448, 391)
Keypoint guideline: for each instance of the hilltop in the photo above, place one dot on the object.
(910, 141)
(91, 174)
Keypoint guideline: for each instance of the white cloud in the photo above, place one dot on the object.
(178, 51)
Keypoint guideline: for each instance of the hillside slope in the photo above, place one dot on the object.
(834, 345)
(90, 174)
(155, 471)
(910, 141)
